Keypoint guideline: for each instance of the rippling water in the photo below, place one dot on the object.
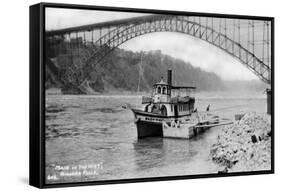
(96, 131)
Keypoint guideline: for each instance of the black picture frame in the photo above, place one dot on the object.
(37, 95)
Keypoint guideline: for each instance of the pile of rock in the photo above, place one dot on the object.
(244, 145)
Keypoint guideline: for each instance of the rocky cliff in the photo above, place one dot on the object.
(245, 145)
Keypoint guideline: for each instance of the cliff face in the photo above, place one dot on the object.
(121, 70)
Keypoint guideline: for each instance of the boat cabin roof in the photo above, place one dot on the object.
(183, 87)
(161, 83)
(174, 87)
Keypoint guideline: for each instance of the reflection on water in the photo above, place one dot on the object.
(160, 152)
(91, 130)
(149, 152)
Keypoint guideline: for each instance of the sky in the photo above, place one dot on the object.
(197, 52)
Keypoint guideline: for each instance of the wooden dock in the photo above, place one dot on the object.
(190, 128)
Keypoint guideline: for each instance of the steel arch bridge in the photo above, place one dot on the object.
(249, 41)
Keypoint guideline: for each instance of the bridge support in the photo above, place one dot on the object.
(268, 94)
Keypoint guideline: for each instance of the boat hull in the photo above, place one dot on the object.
(148, 125)
(177, 130)
(149, 129)
(186, 127)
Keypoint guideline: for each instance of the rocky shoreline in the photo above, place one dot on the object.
(244, 145)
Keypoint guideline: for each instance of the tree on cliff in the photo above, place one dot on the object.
(120, 70)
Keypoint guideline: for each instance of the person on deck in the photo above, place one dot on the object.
(208, 108)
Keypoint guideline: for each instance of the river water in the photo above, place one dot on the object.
(91, 138)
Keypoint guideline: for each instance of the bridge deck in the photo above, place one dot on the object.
(106, 24)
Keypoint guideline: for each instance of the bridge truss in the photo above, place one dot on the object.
(249, 41)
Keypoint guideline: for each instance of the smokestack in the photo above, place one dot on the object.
(169, 78)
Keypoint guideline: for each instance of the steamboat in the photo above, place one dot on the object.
(170, 112)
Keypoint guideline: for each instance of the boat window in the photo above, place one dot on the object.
(176, 110)
(146, 108)
(154, 109)
(164, 90)
(172, 108)
(163, 110)
(159, 90)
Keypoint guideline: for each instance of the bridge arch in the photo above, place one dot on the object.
(222, 41)
(126, 31)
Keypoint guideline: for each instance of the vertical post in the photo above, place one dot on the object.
(206, 28)
(64, 43)
(84, 38)
(187, 25)
(171, 27)
(61, 37)
(269, 53)
(92, 37)
(268, 57)
(212, 29)
(263, 40)
(69, 46)
(199, 27)
(53, 44)
(193, 26)
(253, 36)
(225, 33)
(234, 25)
(219, 31)
(77, 42)
(253, 43)
(100, 36)
(181, 23)
(176, 23)
(268, 93)
(239, 38)
(248, 41)
(71, 51)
